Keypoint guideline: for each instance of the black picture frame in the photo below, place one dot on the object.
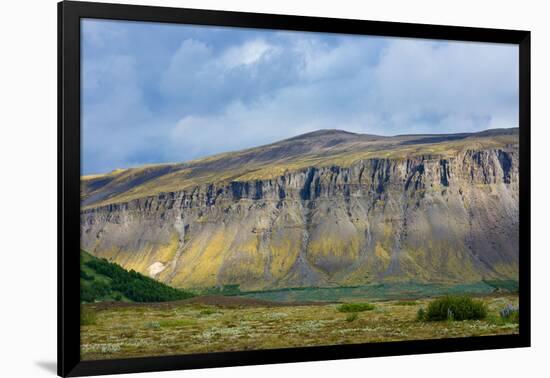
(69, 15)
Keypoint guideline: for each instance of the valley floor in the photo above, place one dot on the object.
(214, 324)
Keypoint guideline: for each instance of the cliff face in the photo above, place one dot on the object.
(426, 217)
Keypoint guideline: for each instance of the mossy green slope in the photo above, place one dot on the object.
(101, 280)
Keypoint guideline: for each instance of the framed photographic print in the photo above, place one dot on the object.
(239, 188)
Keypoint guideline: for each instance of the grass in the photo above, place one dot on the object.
(174, 323)
(208, 311)
(355, 307)
(152, 325)
(87, 316)
(373, 291)
(508, 285)
(139, 330)
(406, 303)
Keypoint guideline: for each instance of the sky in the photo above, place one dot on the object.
(155, 93)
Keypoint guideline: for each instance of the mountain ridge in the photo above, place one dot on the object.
(317, 148)
(320, 132)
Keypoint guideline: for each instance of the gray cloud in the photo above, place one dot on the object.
(212, 93)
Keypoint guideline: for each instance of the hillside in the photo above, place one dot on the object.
(101, 280)
(326, 208)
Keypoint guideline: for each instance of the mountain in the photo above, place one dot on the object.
(321, 209)
(103, 280)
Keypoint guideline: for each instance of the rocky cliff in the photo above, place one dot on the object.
(328, 208)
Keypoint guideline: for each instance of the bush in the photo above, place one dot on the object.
(355, 307)
(87, 316)
(87, 294)
(421, 314)
(93, 290)
(351, 317)
(510, 314)
(455, 308)
(85, 276)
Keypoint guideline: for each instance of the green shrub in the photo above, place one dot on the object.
(355, 307)
(85, 276)
(87, 295)
(455, 308)
(351, 317)
(87, 316)
(421, 314)
(93, 290)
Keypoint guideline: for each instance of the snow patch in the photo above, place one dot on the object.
(156, 268)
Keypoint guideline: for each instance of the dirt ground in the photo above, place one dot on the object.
(209, 300)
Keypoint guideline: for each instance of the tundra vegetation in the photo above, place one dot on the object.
(125, 330)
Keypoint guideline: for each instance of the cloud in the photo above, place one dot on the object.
(211, 90)
(466, 84)
(200, 80)
(248, 53)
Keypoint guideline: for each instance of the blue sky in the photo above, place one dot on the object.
(156, 92)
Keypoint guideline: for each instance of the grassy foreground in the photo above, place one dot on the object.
(122, 330)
